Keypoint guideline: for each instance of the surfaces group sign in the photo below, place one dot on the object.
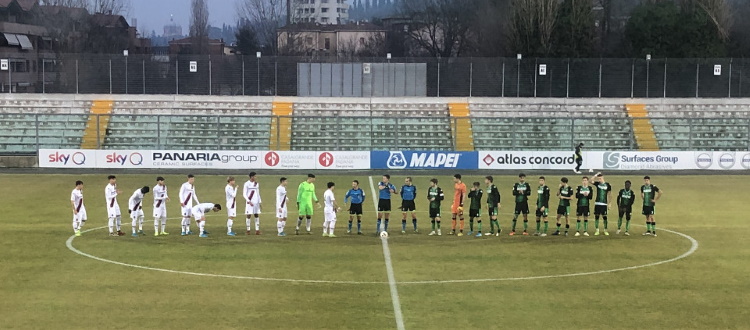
(398, 160)
(649, 160)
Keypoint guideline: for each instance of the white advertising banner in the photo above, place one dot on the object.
(342, 160)
(67, 158)
(292, 160)
(225, 159)
(639, 160)
(526, 160)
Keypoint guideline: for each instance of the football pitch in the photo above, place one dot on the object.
(693, 275)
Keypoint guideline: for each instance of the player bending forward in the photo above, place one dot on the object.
(135, 209)
(187, 196)
(281, 207)
(331, 207)
(113, 209)
(435, 196)
(160, 207)
(199, 213)
(79, 211)
(230, 191)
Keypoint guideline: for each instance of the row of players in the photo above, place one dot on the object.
(356, 196)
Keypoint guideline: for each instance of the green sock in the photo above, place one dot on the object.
(546, 225)
(558, 227)
(585, 225)
(537, 226)
(492, 226)
(525, 225)
(497, 224)
(605, 223)
(596, 223)
(578, 225)
(433, 225)
(627, 225)
(471, 225)
(514, 225)
(619, 223)
(479, 226)
(650, 227)
(438, 224)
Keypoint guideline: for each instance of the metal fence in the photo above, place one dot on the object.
(461, 77)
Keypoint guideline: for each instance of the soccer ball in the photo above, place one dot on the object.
(384, 234)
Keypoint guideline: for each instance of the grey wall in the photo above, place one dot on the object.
(354, 80)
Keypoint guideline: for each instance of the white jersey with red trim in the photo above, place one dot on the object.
(135, 202)
(187, 194)
(251, 192)
(231, 194)
(281, 199)
(110, 194)
(76, 196)
(160, 196)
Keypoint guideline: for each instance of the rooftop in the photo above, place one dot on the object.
(310, 27)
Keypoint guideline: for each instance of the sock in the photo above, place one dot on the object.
(140, 223)
(567, 226)
(538, 225)
(453, 224)
(492, 226)
(438, 224)
(248, 224)
(433, 224)
(308, 222)
(514, 225)
(546, 225)
(299, 223)
(325, 226)
(230, 222)
(156, 225)
(497, 224)
(604, 219)
(201, 227)
(578, 225)
(80, 224)
(403, 225)
(585, 225)
(627, 226)
(257, 223)
(653, 227)
(525, 225)
(414, 223)
(471, 224)
(133, 224)
(377, 225)
(619, 223)
(111, 225)
(279, 227)
(350, 225)
(558, 226)
(359, 225)
(648, 226)
(385, 224)
(282, 225)
(163, 224)
(461, 225)
(331, 226)
(118, 222)
(596, 223)
(479, 226)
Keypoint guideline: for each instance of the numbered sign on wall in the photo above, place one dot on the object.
(4, 65)
(542, 69)
(717, 70)
(193, 66)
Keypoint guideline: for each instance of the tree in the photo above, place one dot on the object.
(114, 7)
(199, 26)
(532, 25)
(574, 35)
(247, 42)
(441, 28)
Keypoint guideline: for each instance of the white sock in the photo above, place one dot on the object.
(111, 225)
(280, 226)
(299, 223)
(119, 222)
(257, 223)
(163, 225)
(201, 226)
(248, 224)
(230, 222)
(80, 224)
(75, 226)
(133, 224)
(309, 223)
(331, 225)
(140, 223)
(325, 226)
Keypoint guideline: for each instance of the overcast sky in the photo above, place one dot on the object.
(154, 14)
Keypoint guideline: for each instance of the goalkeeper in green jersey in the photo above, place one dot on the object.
(305, 198)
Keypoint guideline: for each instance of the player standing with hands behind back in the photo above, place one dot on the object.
(650, 194)
(79, 211)
(457, 209)
(522, 191)
(625, 200)
(384, 204)
(408, 195)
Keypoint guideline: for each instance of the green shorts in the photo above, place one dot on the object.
(305, 209)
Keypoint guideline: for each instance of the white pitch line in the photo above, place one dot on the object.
(389, 271)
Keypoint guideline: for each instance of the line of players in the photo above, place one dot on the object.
(356, 196)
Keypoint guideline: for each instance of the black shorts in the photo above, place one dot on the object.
(583, 211)
(474, 213)
(622, 210)
(408, 206)
(563, 210)
(434, 212)
(600, 209)
(540, 213)
(649, 210)
(384, 205)
(492, 211)
(355, 209)
(522, 208)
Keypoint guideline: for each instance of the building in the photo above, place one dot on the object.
(187, 45)
(119, 34)
(26, 45)
(331, 40)
(318, 11)
(172, 30)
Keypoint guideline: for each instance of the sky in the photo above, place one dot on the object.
(154, 14)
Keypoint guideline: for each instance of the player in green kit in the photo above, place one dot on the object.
(583, 194)
(602, 202)
(522, 191)
(563, 208)
(493, 205)
(475, 195)
(650, 194)
(435, 196)
(305, 198)
(625, 200)
(542, 206)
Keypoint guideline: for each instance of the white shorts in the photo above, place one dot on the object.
(113, 212)
(197, 214)
(329, 214)
(81, 216)
(231, 212)
(282, 214)
(255, 209)
(136, 214)
(187, 210)
(160, 212)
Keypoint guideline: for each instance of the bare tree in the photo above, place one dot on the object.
(199, 26)
(532, 25)
(718, 11)
(115, 7)
(265, 17)
(442, 28)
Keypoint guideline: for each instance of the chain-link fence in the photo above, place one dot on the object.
(462, 77)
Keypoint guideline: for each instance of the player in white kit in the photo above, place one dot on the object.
(79, 211)
(187, 196)
(199, 213)
(160, 207)
(330, 209)
(251, 192)
(281, 207)
(231, 194)
(113, 209)
(135, 209)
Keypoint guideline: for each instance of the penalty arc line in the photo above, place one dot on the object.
(389, 271)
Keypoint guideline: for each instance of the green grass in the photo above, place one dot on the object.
(45, 285)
